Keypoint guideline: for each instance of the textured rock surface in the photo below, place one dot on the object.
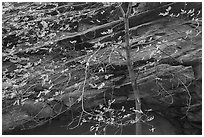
(167, 63)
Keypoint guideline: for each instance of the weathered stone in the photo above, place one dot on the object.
(196, 87)
(14, 118)
(165, 78)
(37, 109)
(195, 113)
(190, 130)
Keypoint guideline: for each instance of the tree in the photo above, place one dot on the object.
(130, 68)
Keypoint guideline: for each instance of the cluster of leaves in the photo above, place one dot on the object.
(107, 116)
(190, 14)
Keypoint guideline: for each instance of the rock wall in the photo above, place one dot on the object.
(167, 57)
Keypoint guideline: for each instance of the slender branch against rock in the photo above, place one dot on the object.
(130, 69)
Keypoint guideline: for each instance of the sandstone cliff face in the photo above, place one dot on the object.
(167, 56)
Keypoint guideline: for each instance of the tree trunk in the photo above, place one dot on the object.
(131, 71)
